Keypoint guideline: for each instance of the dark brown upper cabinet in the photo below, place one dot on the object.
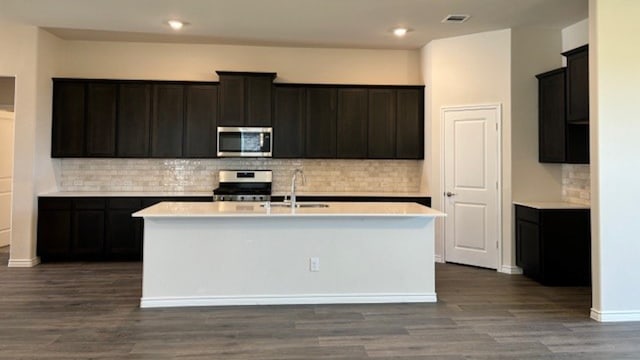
(578, 85)
(167, 120)
(382, 124)
(178, 119)
(352, 123)
(245, 98)
(410, 124)
(134, 119)
(289, 122)
(68, 128)
(101, 119)
(200, 121)
(563, 111)
(551, 116)
(321, 111)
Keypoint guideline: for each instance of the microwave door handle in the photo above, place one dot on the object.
(261, 140)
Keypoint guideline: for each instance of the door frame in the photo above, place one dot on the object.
(498, 109)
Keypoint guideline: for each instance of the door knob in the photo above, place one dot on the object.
(450, 194)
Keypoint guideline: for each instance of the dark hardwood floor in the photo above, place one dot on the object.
(90, 311)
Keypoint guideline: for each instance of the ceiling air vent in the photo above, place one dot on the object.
(455, 19)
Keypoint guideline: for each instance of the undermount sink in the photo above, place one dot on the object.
(298, 205)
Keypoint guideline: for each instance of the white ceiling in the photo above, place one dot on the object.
(312, 23)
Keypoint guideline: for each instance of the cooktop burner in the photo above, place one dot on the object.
(243, 185)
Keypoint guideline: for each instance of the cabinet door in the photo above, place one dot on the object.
(88, 234)
(232, 99)
(410, 124)
(88, 224)
(167, 122)
(551, 117)
(134, 117)
(54, 234)
(124, 233)
(528, 250)
(577, 143)
(68, 123)
(258, 100)
(578, 85)
(352, 123)
(200, 121)
(382, 124)
(321, 123)
(101, 119)
(288, 122)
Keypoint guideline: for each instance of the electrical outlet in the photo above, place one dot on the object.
(314, 264)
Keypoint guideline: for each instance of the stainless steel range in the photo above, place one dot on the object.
(243, 185)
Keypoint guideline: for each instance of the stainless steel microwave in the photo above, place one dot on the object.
(245, 141)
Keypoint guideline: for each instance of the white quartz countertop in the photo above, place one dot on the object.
(210, 193)
(542, 205)
(254, 209)
(356, 194)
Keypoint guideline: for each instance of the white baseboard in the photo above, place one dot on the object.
(511, 270)
(153, 302)
(23, 263)
(615, 316)
(438, 258)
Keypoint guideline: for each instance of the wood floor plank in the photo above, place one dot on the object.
(91, 310)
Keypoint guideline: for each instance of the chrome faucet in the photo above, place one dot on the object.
(292, 197)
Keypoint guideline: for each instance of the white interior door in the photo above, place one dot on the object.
(471, 153)
(6, 171)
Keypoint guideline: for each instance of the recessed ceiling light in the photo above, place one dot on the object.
(400, 32)
(177, 24)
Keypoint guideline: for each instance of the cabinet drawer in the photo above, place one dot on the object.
(528, 214)
(90, 203)
(54, 204)
(125, 203)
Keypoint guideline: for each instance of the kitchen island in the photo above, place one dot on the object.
(243, 253)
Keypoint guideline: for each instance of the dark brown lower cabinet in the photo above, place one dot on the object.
(54, 229)
(87, 239)
(553, 246)
(96, 229)
(124, 232)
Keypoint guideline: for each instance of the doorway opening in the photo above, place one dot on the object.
(7, 119)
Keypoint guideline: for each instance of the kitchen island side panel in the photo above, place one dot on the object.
(244, 261)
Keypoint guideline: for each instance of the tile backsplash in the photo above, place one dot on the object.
(576, 184)
(202, 174)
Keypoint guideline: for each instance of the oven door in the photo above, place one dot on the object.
(244, 141)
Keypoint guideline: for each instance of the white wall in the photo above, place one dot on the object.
(47, 64)
(466, 70)
(575, 35)
(21, 47)
(199, 62)
(6, 171)
(533, 51)
(614, 50)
